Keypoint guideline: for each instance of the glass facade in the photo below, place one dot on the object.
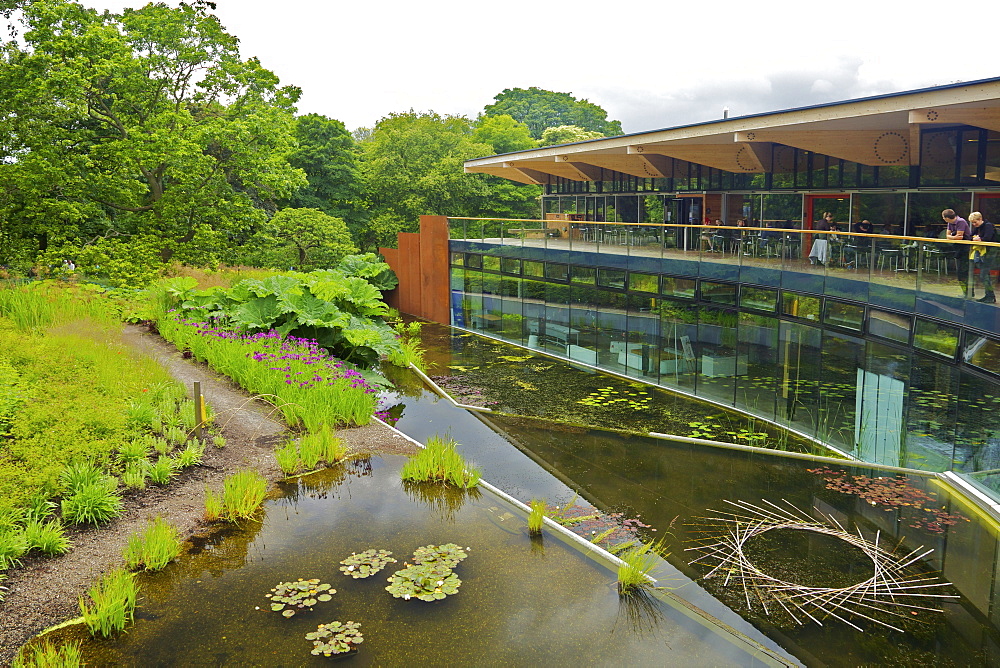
(884, 378)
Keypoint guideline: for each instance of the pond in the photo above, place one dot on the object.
(673, 485)
(521, 601)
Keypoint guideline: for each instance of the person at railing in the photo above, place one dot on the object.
(982, 256)
(820, 252)
(957, 229)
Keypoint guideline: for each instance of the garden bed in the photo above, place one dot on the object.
(44, 591)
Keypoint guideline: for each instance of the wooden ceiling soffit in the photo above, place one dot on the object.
(729, 157)
(633, 165)
(550, 166)
(661, 165)
(980, 117)
(528, 176)
(868, 147)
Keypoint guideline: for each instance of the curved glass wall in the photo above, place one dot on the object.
(890, 366)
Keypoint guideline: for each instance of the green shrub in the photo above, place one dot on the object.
(135, 474)
(12, 547)
(46, 537)
(80, 474)
(440, 462)
(158, 545)
(112, 603)
(133, 451)
(163, 470)
(191, 455)
(94, 503)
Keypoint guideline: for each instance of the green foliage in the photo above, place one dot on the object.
(112, 603)
(291, 597)
(43, 654)
(162, 470)
(638, 564)
(135, 474)
(440, 462)
(427, 582)
(140, 136)
(242, 494)
(305, 238)
(156, 547)
(448, 555)
(93, 503)
(539, 109)
(503, 134)
(565, 134)
(12, 547)
(133, 451)
(536, 517)
(287, 457)
(213, 505)
(366, 564)
(46, 537)
(80, 474)
(326, 153)
(191, 455)
(335, 638)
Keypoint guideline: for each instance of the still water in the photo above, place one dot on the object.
(673, 485)
(522, 602)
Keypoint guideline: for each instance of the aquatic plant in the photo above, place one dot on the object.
(367, 563)
(427, 582)
(112, 603)
(93, 503)
(156, 547)
(46, 537)
(448, 555)
(609, 396)
(287, 457)
(440, 462)
(335, 638)
(213, 505)
(638, 563)
(291, 597)
(536, 517)
(893, 493)
(242, 494)
(44, 654)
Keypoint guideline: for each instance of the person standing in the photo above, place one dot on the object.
(958, 230)
(982, 256)
(820, 251)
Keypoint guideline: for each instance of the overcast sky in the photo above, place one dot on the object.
(651, 63)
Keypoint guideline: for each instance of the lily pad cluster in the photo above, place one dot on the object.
(335, 638)
(290, 597)
(430, 577)
(367, 563)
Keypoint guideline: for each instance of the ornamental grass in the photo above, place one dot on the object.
(440, 462)
(112, 603)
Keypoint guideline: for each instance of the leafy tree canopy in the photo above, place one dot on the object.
(539, 109)
(564, 134)
(504, 134)
(329, 157)
(142, 123)
(307, 238)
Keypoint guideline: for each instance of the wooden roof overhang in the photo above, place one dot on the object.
(881, 130)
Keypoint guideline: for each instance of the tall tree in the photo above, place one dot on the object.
(328, 155)
(564, 134)
(306, 238)
(140, 124)
(539, 109)
(503, 134)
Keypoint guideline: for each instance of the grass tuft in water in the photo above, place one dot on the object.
(242, 494)
(213, 505)
(536, 517)
(639, 561)
(440, 462)
(44, 654)
(112, 603)
(156, 547)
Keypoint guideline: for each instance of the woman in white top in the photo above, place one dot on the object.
(820, 252)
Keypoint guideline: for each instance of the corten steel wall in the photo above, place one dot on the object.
(421, 264)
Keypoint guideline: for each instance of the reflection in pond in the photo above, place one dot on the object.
(443, 499)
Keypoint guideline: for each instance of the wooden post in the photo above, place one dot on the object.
(199, 411)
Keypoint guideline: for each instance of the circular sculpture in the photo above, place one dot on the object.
(891, 147)
(889, 592)
(932, 115)
(744, 161)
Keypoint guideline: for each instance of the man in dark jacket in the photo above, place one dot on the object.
(983, 230)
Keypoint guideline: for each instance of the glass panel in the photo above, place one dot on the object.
(611, 278)
(935, 337)
(761, 299)
(679, 287)
(491, 263)
(843, 314)
(893, 326)
(798, 357)
(678, 331)
(457, 259)
(982, 352)
(879, 430)
(719, 363)
(938, 155)
(800, 306)
(584, 275)
(758, 345)
(643, 282)
(473, 261)
(930, 419)
(534, 269)
(510, 265)
(719, 293)
(555, 271)
(969, 168)
(841, 358)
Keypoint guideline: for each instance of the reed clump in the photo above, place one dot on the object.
(638, 564)
(112, 603)
(156, 547)
(45, 654)
(441, 462)
(536, 517)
